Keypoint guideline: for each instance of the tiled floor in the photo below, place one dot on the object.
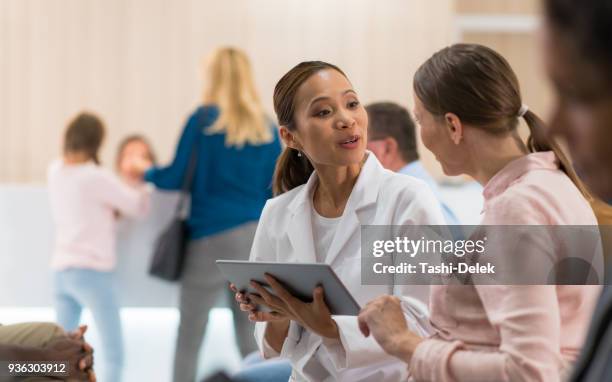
(149, 337)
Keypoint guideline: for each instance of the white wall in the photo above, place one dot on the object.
(26, 243)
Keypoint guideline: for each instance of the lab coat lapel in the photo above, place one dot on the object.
(299, 230)
(364, 194)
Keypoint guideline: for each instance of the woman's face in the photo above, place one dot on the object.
(134, 152)
(582, 111)
(436, 136)
(331, 124)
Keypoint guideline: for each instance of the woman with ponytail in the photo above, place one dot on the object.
(468, 103)
(327, 186)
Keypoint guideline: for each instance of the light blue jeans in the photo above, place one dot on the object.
(256, 369)
(78, 288)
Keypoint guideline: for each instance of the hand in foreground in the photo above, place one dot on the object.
(384, 319)
(76, 351)
(315, 315)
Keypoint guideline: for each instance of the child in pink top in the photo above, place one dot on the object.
(468, 105)
(85, 199)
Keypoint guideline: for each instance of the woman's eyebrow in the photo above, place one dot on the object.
(321, 98)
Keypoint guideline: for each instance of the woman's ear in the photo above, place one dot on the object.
(289, 138)
(454, 127)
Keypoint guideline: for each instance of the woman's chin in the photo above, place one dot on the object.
(352, 157)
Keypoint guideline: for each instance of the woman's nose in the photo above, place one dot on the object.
(345, 120)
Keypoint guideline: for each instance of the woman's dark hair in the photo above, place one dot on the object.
(134, 138)
(587, 25)
(291, 169)
(479, 86)
(84, 134)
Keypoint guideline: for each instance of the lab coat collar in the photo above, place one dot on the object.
(364, 194)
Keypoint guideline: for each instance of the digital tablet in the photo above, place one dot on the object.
(300, 279)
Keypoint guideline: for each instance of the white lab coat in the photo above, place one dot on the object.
(284, 234)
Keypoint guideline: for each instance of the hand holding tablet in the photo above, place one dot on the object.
(299, 279)
(310, 310)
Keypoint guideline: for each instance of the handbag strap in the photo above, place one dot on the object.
(188, 180)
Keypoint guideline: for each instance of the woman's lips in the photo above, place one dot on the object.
(350, 143)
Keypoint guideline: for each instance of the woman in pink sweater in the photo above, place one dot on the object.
(85, 201)
(468, 103)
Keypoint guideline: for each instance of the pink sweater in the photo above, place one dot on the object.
(512, 333)
(84, 199)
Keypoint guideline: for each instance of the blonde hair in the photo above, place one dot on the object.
(230, 86)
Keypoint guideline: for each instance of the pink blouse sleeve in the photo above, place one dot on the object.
(131, 201)
(527, 318)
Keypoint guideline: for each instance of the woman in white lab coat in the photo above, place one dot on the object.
(327, 187)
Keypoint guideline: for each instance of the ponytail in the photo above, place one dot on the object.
(538, 141)
(291, 171)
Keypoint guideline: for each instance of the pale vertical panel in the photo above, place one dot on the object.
(498, 6)
(269, 44)
(47, 85)
(4, 74)
(182, 79)
(75, 60)
(145, 60)
(18, 67)
(106, 52)
(352, 34)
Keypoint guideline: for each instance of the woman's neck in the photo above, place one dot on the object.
(76, 157)
(490, 158)
(334, 187)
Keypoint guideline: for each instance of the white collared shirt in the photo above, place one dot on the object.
(286, 233)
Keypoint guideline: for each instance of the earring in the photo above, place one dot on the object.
(299, 153)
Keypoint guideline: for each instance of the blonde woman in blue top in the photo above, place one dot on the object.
(237, 150)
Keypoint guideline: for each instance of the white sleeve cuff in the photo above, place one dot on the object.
(294, 336)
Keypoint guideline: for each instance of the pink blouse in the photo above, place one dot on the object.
(84, 200)
(510, 333)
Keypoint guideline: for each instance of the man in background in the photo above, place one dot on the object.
(392, 138)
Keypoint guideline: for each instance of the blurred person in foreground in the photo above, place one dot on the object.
(578, 56)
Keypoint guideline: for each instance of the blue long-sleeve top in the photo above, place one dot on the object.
(230, 185)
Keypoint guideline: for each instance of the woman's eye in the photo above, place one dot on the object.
(322, 113)
(353, 104)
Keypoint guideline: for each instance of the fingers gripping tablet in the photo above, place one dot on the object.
(300, 279)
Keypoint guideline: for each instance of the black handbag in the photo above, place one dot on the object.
(171, 245)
